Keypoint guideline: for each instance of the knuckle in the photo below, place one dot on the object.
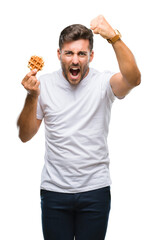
(33, 79)
(101, 18)
(25, 86)
(28, 75)
(34, 89)
(23, 83)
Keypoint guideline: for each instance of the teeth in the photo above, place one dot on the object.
(75, 68)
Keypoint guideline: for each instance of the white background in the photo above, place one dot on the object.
(33, 27)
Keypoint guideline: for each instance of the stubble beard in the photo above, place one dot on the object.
(85, 69)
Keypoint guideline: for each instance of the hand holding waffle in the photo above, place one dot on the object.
(31, 84)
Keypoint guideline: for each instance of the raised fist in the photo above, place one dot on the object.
(99, 25)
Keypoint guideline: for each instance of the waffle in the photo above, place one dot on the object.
(36, 62)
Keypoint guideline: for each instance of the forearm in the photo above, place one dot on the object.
(27, 121)
(127, 63)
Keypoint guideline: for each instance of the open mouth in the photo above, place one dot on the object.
(74, 71)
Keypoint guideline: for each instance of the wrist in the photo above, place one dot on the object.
(112, 34)
(32, 95)
(115, 38)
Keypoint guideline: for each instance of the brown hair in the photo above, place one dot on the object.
(75, 32)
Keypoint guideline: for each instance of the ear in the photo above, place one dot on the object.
(91, 56)
(59, 53)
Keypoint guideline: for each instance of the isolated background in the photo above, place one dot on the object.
(33, 27)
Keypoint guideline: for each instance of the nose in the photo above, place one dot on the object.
(75, 59)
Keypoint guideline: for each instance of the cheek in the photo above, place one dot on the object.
(66, 62)
(85, 63)
(63, 63)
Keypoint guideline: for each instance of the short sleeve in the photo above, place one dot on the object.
(40, 113)
(106, 86)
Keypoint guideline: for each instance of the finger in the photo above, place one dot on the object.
(94, 22)
(96, 31)
(30, 82)
(93, 25)
(26, 81)
(34, 90)
(31, 73)
(34, 83)
(37, 84)
(34, 86)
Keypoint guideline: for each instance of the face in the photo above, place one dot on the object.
(75, 57)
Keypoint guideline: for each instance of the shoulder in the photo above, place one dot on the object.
(102, 77)
(103, 80)
(106, 75)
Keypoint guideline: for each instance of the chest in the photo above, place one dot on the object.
(66, 110)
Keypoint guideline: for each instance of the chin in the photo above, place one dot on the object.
(74, 82)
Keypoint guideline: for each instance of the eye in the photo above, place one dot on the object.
(82, 54)
(69, 53)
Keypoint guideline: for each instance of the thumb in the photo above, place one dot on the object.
(93, 24)
(96, 31)
(34, 72)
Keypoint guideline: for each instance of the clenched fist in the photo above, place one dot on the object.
(99, 25)
(31, 84)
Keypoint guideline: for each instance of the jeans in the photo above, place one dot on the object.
(81, 215)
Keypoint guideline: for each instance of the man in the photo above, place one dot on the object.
(75, 103)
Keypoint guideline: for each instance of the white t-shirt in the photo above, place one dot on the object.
(76, 129)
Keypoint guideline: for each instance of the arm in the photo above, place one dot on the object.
(129, 75)
(27, 122)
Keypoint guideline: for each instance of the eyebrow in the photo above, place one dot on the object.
(69, 51)
(85, 52)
